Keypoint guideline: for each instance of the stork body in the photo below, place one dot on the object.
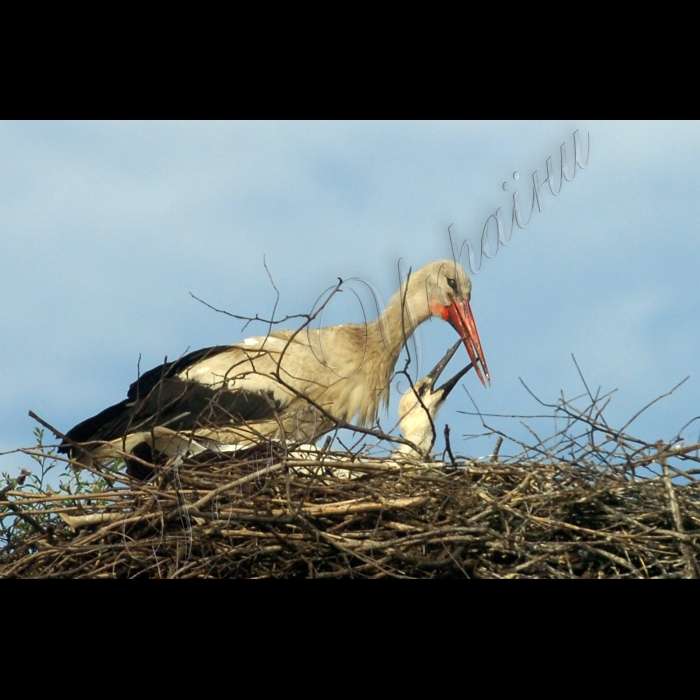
(288, 385)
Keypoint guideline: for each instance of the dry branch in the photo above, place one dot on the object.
(493, 519)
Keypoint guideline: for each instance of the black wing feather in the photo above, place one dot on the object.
(149, 380)
(160, 398)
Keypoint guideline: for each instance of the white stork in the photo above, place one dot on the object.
(288, 386)
(420, 404)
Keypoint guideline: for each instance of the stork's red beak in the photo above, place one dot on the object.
(460, 316)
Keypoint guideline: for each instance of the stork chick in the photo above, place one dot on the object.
(419, 407)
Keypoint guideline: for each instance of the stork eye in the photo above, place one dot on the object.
(452, 284)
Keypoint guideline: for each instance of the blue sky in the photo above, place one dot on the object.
(108, 226)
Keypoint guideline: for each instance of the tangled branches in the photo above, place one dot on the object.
(591, 502)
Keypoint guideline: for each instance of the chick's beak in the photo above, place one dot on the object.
(436, 371)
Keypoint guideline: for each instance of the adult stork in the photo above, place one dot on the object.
(287, 385)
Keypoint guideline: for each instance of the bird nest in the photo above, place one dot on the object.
(283, 515)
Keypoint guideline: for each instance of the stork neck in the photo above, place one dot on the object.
(403, 314)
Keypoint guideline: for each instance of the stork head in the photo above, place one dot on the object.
(449, 290)
(419, 406)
